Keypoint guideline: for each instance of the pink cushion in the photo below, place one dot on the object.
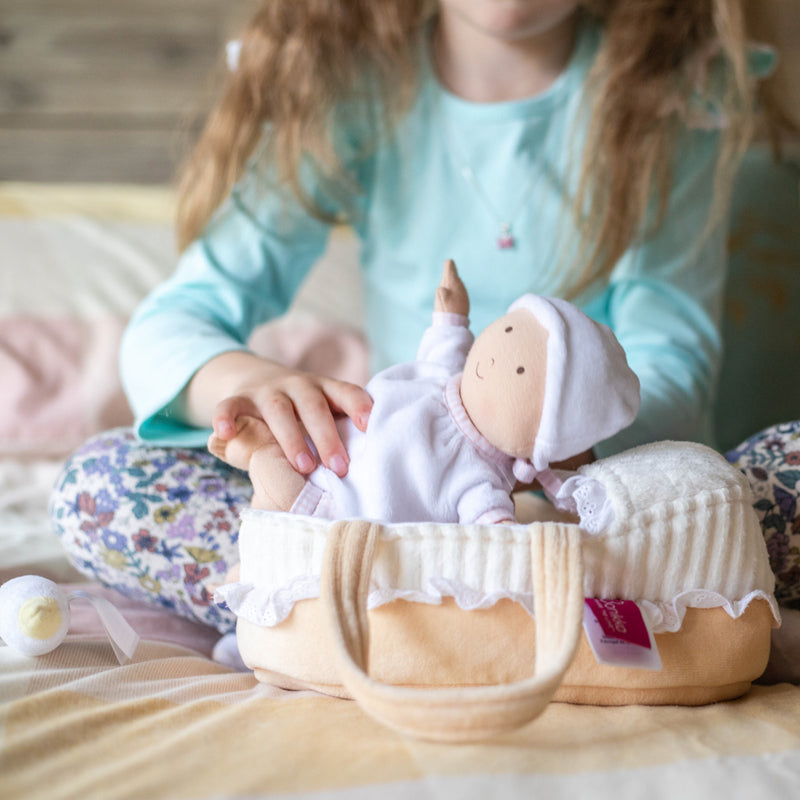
(60, 382)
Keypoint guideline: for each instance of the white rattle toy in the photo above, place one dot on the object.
(34, 617)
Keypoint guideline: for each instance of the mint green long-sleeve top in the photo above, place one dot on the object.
(440, 188)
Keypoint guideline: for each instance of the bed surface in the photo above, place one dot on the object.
(175, 724)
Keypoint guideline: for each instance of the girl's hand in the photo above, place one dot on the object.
(291, 403)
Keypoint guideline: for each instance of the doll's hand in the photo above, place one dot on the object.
(574, 462)
(451, 296)
(290, 402)
(569, 465)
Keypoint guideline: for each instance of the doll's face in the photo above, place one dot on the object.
(502, 388)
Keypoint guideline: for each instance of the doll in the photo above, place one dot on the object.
(450, 434)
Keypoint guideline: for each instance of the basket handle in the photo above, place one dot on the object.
(455, 714)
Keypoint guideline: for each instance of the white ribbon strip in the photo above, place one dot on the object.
(124, 638)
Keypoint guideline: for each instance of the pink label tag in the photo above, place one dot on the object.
(620, 619)
(618, 634)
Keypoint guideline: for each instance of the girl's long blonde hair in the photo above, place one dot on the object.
(302, 59)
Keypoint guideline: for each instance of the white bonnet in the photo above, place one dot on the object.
(591, 393)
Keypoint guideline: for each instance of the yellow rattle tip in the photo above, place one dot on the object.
(39, 617)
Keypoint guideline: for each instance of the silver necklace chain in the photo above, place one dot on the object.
(506, 240)
(505, 237)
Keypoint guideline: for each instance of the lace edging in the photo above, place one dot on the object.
(587, 499)
(267, 608)
(261, 606)
(667, 617)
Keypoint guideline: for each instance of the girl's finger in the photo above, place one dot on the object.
(314, 411)
(223, 420)
(280, 415)
(348, 399)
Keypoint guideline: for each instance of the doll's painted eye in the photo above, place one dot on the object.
(520, 370)
(509, 329)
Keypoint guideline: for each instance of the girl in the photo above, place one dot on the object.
(549, 146)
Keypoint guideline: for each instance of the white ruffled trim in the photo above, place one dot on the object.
(668, 617)
(585, 498)
(262, 607)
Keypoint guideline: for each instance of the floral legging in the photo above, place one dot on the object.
(157, 524)
(160, 524)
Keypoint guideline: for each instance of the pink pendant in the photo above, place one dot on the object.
(505, 241)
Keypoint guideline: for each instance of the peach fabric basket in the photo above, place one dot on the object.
(459, 633)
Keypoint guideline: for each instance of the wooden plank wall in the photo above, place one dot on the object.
(107, 90)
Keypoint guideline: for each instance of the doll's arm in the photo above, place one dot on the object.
(451, 296)
(486, 504)
(448, 339)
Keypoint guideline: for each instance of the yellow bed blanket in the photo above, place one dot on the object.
(174, 724)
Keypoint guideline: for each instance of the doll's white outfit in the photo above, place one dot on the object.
(421, 458)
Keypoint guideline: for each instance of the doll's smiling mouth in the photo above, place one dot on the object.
(477, 373)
